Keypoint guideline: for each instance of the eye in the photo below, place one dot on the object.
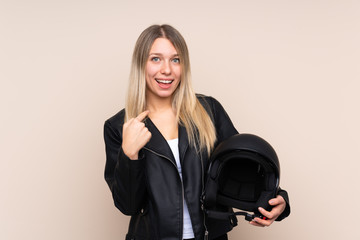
(176, 60)
(155, 59)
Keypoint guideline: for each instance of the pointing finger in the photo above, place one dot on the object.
(142, 115)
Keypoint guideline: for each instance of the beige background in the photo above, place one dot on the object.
(285, 70)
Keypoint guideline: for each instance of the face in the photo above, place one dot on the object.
(162, 70)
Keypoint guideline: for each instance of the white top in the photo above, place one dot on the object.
(187, 227)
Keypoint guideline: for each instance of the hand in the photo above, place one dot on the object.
(135, 136)
(278, 204)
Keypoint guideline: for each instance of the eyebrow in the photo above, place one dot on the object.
(160, 54)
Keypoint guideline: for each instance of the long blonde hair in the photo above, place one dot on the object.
(189, 111)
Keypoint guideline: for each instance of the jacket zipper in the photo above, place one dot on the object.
(206, 236)
(182, 185)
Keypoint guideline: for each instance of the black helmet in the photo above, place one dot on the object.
(244, 173)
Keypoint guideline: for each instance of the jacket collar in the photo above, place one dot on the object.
(159, 144)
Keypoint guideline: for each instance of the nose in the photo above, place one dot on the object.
(166, 68)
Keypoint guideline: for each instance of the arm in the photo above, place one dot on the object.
(223, 124)
(125, 177)
(225, 129)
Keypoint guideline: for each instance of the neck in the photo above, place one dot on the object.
(158, 104)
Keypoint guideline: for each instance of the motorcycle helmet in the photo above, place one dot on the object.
(244, 173)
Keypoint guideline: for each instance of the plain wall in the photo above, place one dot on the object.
(288, 71)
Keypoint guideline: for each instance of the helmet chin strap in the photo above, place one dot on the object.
(232, 216)
(250, 217)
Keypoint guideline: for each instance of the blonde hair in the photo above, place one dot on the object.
(189, 111)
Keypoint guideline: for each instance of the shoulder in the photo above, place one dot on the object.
(202, 97)
(221, 119)
(117, 120)
(209, 103)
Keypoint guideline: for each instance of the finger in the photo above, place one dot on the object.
(145, 131)
(148, 136)
(141, 125)
(265, 213)
(262, 222)
(256, 224)
(144, 135)
(142, 115)
(276, 201)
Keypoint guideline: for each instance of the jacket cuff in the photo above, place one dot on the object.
(130, 164)
(130, 179)
(286, 211)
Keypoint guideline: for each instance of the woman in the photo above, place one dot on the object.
(157, 148)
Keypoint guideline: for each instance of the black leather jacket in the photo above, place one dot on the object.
(150, 189)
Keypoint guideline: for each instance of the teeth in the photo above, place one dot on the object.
(164, 81)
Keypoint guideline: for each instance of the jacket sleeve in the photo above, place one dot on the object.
(286, 212)
(226, 129)
(125, 177)
(223, 125)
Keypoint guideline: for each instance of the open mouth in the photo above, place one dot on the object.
(163, 81)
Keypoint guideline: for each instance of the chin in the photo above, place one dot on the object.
(165, 95)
